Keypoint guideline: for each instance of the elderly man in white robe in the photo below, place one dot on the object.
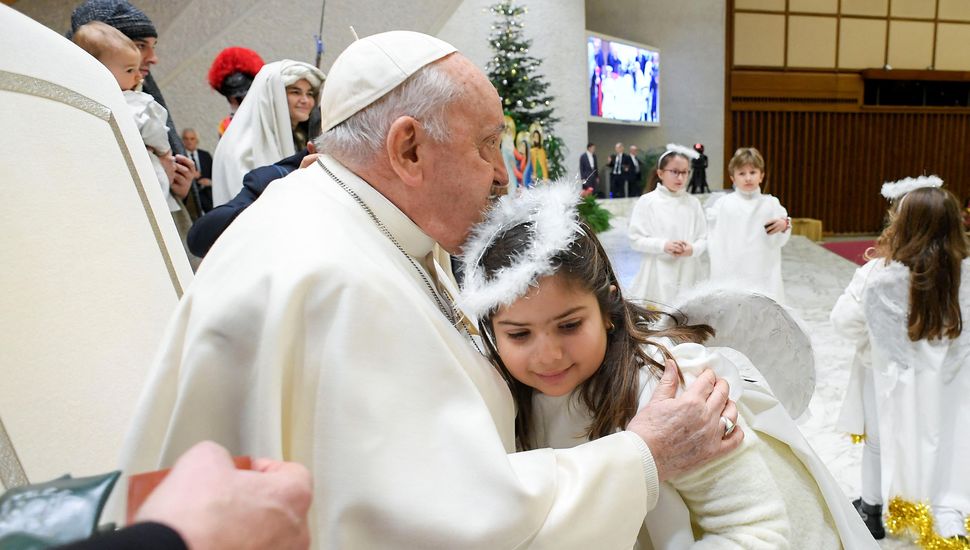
(320, 330)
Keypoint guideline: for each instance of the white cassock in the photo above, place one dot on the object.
(658, 217)
(921, 393)
(151, 118)
(259, 135)
(741, 251)
(308, 335)
(773, 492)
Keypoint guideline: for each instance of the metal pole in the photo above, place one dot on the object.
(319, 36)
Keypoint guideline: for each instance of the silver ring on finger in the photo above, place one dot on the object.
(729, 425)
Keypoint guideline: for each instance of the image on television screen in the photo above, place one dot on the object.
(624, 81)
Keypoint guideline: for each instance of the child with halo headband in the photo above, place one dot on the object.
(746, 230)
(909, 301)
(669, 227)
(580, 360)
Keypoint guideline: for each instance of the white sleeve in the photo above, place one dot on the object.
(641, 237)
(150, 118)
(779, 239)
(732, 499)
(735, 503)
(848, 316)
(711, 209)
(700, 230)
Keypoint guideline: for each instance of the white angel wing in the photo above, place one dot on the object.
(764, 331)
(886, 305)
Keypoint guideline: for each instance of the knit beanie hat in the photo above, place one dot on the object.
(118, 13)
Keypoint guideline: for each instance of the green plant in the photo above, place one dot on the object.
(597, 217)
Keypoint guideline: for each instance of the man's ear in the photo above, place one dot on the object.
(403, 141)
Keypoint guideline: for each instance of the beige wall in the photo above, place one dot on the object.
(905, 34)
(691, 39)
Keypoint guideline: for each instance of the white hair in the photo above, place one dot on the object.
(425, 95)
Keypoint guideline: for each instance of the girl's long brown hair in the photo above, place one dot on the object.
(611, 393)
(925, 234)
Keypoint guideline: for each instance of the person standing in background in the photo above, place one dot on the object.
(231, 74)
(134, 24)
(272, 123)
(636, 175)
(203, 167)
(698, 175)
(620, 166)
(589, 168)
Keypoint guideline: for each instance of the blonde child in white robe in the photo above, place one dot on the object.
(580, 360)
(746, 230)
(669, 227)
(911, 302)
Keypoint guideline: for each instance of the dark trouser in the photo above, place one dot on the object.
(617, 185)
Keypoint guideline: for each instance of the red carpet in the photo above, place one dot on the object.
(850, 250)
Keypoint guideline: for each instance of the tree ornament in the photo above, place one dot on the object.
(523, 90)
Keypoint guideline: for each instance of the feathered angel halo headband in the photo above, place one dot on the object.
(897, 189)
(553, 224)
(688, 152)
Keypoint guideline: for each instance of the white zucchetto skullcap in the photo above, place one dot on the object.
(373, 66)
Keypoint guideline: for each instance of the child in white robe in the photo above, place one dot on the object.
(911, 301)
(581, 360)
(859, 416)
(669, 227)
(746, 230)
(121, 56)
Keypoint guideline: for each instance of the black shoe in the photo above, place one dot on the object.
(871, 515)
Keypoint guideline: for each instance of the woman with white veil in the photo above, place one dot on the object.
(271, 124)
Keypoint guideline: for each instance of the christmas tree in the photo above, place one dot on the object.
(514, 74)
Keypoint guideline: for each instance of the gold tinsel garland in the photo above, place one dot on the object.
(857, 438)
(917, 520)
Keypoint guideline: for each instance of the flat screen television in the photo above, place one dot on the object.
(624, 81)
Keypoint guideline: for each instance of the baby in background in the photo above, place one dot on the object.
(121, 56)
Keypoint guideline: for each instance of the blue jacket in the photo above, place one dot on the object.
(207, 229)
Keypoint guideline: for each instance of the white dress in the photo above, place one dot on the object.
(849, 320)
(732, 501)
(658, 217)
(921, 394)
(151, 118)
(741, 251)
(296, 345)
